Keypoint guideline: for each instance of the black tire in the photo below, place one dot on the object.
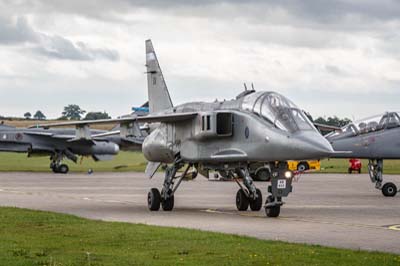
(263, 175)
(303, 166)
(272, 211)
(389, 189)
(242, 202)
(154, 199)
(63, 169)
(359, 171)
(168, 204)
(256, 205)
(350, 171)
(194, 175)
(54, 169)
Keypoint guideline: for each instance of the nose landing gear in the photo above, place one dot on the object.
(389, 189)
(375, 169)
(273, 206)
(281, 186)
(249, 195)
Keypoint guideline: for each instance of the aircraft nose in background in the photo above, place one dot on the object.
(314, 145)
(116, 149)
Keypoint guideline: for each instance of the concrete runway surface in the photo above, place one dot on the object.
(327, 209)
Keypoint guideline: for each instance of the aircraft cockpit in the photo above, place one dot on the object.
(278, 111)
(368, 125)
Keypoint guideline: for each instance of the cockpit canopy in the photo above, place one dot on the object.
(277, 110)
(371, 124)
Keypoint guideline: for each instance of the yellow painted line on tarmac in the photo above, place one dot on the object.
(250, 214)
(395, 227)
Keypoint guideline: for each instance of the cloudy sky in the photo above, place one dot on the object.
(330, 57)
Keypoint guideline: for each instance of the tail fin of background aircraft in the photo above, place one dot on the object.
(159, 98)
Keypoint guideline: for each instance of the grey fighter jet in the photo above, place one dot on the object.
(225, 137)
(375, 138)
(65, 143)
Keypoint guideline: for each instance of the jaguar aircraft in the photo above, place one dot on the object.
(375, 138)
(225, 137)
(67, 143)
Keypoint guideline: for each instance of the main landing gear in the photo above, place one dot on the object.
(165, 199)
(375, 169)
(56, 165)
(248, 194)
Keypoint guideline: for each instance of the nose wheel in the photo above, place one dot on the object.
(281, 186)
(389, 189)
(375, 168)
(272, 207)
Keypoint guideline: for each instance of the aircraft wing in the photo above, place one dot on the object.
(67, 138)
(166, 118)
(85, 122)
(50, 135)
(128, 125)
(41, 134)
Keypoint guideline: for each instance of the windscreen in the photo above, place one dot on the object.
(278, 110)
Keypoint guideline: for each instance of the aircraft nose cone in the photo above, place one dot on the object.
(315, 146)
(116, 149)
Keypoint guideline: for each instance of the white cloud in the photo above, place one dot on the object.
(92, 53)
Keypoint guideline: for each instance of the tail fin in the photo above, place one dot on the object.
(159, 98)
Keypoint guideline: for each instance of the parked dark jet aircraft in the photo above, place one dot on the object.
(65, 143)
(375, 138)
(226, 137)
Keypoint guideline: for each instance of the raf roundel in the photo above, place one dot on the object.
(19, 136)
(247, 132)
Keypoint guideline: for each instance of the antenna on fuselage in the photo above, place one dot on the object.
(245, 86)
(252, 86)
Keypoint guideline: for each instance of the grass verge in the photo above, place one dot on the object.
(342, 165)
(124, 161)
(134, 161)
(42, 238)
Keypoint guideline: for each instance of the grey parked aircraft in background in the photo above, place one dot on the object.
(225, 137)
(66, 143)
(375, 138)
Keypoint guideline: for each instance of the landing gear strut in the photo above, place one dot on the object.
(166, 197)
(281, 186)
(248, 194)
(375, 169)
(56, 165)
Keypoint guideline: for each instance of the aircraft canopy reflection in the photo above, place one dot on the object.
(278, 111)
